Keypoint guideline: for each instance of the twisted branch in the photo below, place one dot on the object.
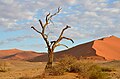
(55, 43)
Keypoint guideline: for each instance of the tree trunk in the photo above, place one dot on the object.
(50, 60)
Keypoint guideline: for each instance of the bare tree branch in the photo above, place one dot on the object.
(61, 37)
(47, 18)
(36, 30)
(46, 36)
(52, 42)
(68, 39)
(58, 11)
(63, 31)
(41, 24)
(61, 45)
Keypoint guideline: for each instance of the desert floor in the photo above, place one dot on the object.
(17, 69)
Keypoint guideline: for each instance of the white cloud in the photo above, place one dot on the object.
(112, 10)
(17, 39)
(7, 1)
(87, 17)
(91, 13)
(71, 1)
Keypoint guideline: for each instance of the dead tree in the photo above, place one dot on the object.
(51, 45)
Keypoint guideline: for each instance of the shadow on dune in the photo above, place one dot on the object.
(83, 50)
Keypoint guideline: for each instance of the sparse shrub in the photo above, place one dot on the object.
(3, 66)
(56, 70)
(67, 62)
(64, 65)
(96, 73)
(86, 69)
(92, 71)
(107, 69)
(76, 67)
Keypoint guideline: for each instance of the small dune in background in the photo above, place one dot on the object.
(16, 54)
(9, 52)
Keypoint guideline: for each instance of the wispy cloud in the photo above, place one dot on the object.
(88, 18)
(17, 39)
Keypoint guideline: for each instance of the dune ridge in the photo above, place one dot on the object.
(107, 48)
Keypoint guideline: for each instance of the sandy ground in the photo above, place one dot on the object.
(19, 69)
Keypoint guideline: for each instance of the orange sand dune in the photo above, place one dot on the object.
(25, 55)
(9, 52)
(106, 48)
(16, 54)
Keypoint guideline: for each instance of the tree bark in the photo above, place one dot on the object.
(50, 59)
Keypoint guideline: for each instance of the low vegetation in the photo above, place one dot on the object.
(85, 69)
(67, 67)
(3, 66)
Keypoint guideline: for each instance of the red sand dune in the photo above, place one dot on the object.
(106, 48)
(16, 54)
(8, 52)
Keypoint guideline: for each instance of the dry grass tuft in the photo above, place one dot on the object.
(4, 66)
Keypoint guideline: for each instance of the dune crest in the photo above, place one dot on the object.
(108, 47)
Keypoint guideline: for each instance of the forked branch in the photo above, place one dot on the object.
(63, 31)
(58, 11)
(56, 43)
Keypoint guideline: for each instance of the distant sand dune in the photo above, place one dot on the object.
(105, 48)
(16, 54)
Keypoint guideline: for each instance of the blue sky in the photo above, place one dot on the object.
(89, 19)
